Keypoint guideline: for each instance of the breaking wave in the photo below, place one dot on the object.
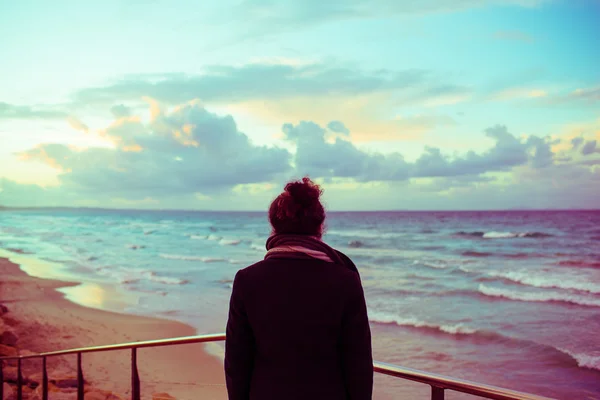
(547, 281)
(537, 297)
(190, 258)
(431, 264)
(503, 235)
(385, 318)
(229, 242)
(584, 360)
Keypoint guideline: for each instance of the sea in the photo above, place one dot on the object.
(507, 298)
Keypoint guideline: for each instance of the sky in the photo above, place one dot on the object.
(388, 104)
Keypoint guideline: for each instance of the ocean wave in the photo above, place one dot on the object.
(537, 297)
(190, 258)
(472, 253)
(582, 360)
(547, 281)
(213, 237)
(257, 247)
(134, 276)
(437, 264)
(229, 242)
(453, 329)
(135, 246)
(18, 251)
(589, 361)
(151, 275)
(503, 235)
(579, 263)
(150, 231)
(355, 244)
(196, 237)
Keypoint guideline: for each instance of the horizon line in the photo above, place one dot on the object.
(515, 209)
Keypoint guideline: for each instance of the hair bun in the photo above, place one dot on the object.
(304, 192)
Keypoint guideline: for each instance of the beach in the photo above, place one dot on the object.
(42, 320)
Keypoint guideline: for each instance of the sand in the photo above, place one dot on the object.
(44, 320)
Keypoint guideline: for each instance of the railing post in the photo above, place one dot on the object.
(44, 380)
(79, 378)
(437, 393)
(19, 380)
(135, 377)
(1, 380)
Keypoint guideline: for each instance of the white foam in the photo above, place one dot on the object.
(196, 237)
(213, 237)
(229, 242)
(499, 235)
(382, 317)
(431, 264)
(151, 275)
(190, 258)
(257, 247)
(540, 297)
(549, 281)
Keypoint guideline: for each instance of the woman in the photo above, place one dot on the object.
(298, 326)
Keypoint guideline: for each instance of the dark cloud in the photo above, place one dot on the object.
(589, 148)
(272, 81)
(12, 111)
(577, 141)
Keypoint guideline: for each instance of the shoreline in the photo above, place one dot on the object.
(43, 319)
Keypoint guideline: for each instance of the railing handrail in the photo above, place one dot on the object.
(439, 383)
(215, 337)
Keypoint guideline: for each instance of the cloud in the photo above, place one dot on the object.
(12, 111)
(266, 17)
(515, 35)
(191, 154)
(231, 84)
(319, 157)
(78, 125)
(589, 96)
(120, 111)
(339, 127)
(186, 151)
(518, 93)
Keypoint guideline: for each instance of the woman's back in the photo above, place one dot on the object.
(298, 326)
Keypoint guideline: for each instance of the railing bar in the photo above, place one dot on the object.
(439, 381)
(19, 381)
(79, 378)
(135, 377)
(44, 380)
(127, 346)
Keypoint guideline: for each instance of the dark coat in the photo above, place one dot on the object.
(298, 329)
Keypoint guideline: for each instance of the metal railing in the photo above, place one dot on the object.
(438, 383)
